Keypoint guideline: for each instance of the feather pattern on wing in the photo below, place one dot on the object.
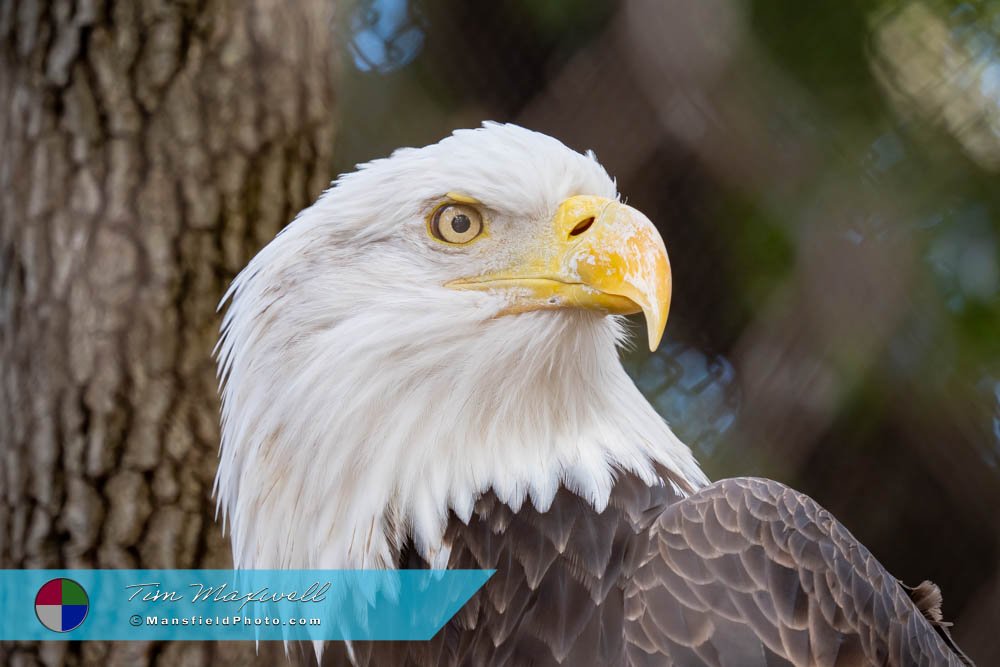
(745, 572)
(748, 572)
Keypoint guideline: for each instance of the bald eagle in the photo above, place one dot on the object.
(422, 370)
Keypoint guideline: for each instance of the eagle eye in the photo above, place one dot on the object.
(456, 223)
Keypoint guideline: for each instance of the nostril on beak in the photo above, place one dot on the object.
(582, 226)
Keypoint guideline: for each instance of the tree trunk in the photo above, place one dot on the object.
(147, 149)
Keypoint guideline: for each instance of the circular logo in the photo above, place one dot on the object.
(61, 605)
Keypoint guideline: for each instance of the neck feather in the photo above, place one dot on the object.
(363, 429)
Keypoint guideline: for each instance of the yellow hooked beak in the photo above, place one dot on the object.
(599, 255)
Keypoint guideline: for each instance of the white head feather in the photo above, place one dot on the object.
(363, 400)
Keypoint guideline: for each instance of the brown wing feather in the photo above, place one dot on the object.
(557, 597)
(749, 572)
(743, 573)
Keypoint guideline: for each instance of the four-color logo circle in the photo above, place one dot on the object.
(61, 605)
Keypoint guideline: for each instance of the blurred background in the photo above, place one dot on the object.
(826, 177)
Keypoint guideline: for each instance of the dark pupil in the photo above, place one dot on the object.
(461, 223)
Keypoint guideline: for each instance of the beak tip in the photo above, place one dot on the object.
(654, 334)
(655, 325)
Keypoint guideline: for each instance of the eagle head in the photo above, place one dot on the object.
(439, 323)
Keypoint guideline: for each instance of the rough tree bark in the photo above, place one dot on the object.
(147, 149)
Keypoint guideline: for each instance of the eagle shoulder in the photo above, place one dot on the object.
(748, 571)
